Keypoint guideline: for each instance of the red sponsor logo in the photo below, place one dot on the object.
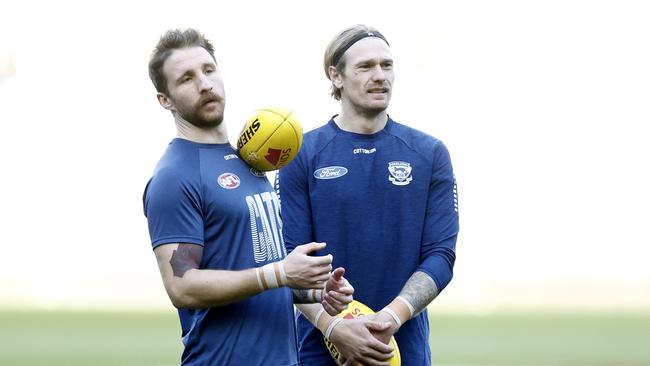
(273, 155)
(277, 156)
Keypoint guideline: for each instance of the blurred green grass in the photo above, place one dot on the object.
(68, 338)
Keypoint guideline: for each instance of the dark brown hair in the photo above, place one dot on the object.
(172, 40)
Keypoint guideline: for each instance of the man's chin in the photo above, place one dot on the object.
(206, 123)
(376, 108)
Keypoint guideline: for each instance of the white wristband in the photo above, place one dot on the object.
(318, 315)
(408, 304)
(272, 275)
(283, 274)
(330, 327)
(393, 315)
(259, 277)
(314, 295)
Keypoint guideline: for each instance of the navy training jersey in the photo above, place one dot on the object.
(204, 194)
(386, 206)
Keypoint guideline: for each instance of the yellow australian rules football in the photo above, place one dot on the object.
(271, 138)
(356, 309)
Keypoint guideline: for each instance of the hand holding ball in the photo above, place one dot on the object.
(356, 309)
(271, 139)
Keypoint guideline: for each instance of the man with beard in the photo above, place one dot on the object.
(216, 230)
(383, 196)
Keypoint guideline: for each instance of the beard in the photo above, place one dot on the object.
(198, 116)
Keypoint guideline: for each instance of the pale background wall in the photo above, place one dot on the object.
(543, 105)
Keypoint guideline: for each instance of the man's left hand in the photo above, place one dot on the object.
(337, 293)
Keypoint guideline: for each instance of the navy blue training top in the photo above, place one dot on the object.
(386, 206)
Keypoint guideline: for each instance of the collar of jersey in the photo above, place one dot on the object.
(361, 136)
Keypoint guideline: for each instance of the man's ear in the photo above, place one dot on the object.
(165, 102)
(335, 77)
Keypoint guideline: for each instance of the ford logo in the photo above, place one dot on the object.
(330, 172)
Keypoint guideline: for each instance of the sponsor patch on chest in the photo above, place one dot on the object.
(330, 172)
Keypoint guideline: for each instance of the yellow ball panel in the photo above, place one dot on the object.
(270, 139)
(279, 149)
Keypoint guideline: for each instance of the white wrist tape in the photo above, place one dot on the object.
(259, 277)
(408, 304)
(316, 295)
(393, 315)
(318, 315)
(271, 275)
(330, 327)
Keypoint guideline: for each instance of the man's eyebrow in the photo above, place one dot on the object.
(373, 61)
(186, 73)
(211, 64)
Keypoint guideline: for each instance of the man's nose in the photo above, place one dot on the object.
(378, 73)
(204, 84)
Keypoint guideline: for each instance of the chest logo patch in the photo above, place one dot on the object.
(228, 180)
(330, 172)
(400, 173)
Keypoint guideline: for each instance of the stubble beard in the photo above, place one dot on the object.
(368, 110)
(199, 119)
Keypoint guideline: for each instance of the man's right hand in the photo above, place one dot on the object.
(355, 341)
(305, 271)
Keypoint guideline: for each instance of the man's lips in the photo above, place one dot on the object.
(378, 90)
(209, 100)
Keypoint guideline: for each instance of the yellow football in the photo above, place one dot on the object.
(270, 139)
(356, 309)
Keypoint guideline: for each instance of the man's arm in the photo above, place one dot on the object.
(352, 337)
(191, 287)
(335, 296)
(418, 292)
(438, 250)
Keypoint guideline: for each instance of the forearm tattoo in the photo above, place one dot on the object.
(186, 257)
(302, 296)
(419, 290)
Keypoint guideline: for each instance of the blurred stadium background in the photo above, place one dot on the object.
(543, 105)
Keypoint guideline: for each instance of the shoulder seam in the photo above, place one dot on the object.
(410, 146)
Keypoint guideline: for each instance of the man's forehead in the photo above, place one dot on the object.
(183, 59)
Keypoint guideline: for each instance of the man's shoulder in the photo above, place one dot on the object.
(320, 132)
(177, 163)
(314, 140)
(416, 139)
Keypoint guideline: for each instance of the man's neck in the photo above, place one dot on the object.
(212, 135)
(360, 123)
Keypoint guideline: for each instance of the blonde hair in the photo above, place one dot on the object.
(339, 44)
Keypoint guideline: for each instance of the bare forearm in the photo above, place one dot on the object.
(316, 315)
(419, 291)
(211, 288)
(307, 296)
(191, 287)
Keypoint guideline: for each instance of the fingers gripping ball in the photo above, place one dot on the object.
(270, 139)
(356, 309)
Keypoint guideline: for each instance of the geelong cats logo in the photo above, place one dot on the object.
(400, 173)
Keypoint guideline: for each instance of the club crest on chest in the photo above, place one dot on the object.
(400, 173)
